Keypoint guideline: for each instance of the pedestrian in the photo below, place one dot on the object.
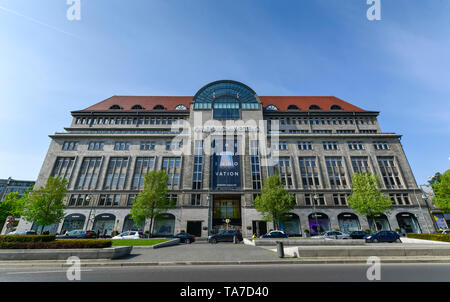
(98, 233)
(104, 234)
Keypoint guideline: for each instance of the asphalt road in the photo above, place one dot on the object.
(237, 273)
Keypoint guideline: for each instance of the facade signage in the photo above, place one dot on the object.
(226, 170)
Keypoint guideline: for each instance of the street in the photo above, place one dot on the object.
(235, 273)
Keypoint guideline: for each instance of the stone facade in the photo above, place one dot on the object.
(157, 127)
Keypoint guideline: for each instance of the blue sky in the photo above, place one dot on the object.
(50, 66)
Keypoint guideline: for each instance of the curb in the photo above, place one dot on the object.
(192, 263)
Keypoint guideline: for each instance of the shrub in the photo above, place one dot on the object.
(57, 244)
(26, 238)
(436, 237)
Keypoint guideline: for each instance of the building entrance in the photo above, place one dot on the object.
(226, 207)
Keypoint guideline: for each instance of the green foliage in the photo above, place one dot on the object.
(57, 244)
(12, 205)
(435, 179)
(441, 190)
(152, 200)
(44, 206)
(27, 238)
(366, 198)
(435, 237)
(275, 201)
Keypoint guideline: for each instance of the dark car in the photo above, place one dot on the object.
(226, 236)
(359, 235)
(384, 236)
(275, 234)
(184, 237)
(78, 234)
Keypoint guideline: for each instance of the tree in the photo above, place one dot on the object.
(275, 201)
(435, 179)
(152, 200)
(366, 198)
(12, 205)
(44, 206)
(441, 190)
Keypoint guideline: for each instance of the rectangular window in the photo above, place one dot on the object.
(143, 165)
(284, 170)
(130, 200)
(121, 146)
(304, 145)
(308, 199)
(172, 165)
(336, 172)
(380, 145)
(360, 164)
(148, 146)
(330, 145)
(63, 167)
(340, 199)
(256, 170)
(96, 146)
(195, 200)
(70, 146)
(116, 173)
(309, 171)
(355, 145)
(88, 174)
(197, 179)
(389, 172)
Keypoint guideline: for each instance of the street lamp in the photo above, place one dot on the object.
(420, 209)
(88, 200)
(316, 198)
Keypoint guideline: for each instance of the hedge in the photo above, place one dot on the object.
(435, 237)
(26, 238)
(58, 244)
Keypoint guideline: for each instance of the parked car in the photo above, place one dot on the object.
(78, 234)
(184, 237)
(275, 234)
(225, 236)
(30, 232)
(384, 236)
(359, 235)
(446, 231)
(128, 235)
(333, 235)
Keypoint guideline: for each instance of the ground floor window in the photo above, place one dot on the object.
(164, 225)
(51, 229)
(291, 225)
(379, 223)
(104, 224)
(318, 223)
(348, 222)
(128, 224)
(408, 223)
(73, 222)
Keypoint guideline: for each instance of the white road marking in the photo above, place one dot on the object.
(43, 272)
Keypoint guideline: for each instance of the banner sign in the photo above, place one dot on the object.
(226, 171)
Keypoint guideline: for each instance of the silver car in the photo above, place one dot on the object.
(333, 235)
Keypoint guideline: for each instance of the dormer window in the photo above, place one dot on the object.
(115, 107)
(159, 107)
(335, 107)
(272, 108)
(137, 107)
(293, 107)
(181, 107)
(314, 107)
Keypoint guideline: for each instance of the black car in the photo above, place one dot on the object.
(359, 235)
(226, 236)
(184, 237)
(78, 234)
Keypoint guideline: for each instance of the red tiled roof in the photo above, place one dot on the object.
(170, 102)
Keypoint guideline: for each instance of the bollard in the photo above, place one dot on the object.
(280, 249)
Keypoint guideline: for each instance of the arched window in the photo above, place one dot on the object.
(115, 107)
(137, 107)
(293, 107)
(272, 108)
(314, 107)
(335, 107)
(181, 107)
(159, 107)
